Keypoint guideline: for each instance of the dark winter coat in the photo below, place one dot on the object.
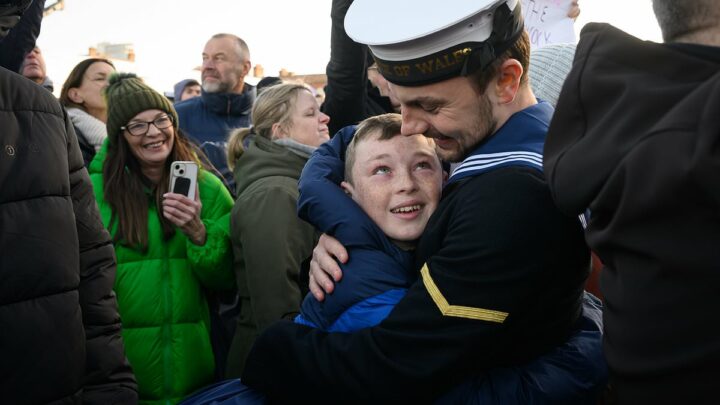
(60, 339)
(635, 141)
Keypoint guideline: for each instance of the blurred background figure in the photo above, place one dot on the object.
(267, 81)
(549, 66)
(350, 95)
(82, 97)
(169, 248)
(382, 86)
(186, 89)
(34, 68)
(269, 241)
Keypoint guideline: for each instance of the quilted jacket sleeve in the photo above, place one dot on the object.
(108, 376)
(21, 39)
(212, 262)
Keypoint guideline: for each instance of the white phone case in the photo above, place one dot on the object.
(183, 178)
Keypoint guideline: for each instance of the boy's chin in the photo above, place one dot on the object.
(405, 244)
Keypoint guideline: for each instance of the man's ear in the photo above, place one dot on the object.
(74, 96)
(347, 188)
(246, 68)
(508, 79)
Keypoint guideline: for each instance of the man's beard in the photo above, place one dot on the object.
(483, 128)
(221, 86)
(216, 87)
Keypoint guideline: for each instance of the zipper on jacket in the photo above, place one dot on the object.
(166, 326)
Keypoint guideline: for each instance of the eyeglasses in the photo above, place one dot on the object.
(140, 128)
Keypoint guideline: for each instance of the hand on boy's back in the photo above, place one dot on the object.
(324, 268)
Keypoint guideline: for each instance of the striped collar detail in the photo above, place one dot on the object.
(517, 143)
(481, 162)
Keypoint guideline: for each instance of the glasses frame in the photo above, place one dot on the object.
(147, 125)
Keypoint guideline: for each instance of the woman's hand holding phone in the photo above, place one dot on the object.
(185, 214)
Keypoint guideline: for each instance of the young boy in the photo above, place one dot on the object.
(394, 183)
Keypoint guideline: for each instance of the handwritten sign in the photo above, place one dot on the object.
(546, 22)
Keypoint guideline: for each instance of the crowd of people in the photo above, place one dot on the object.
(422, 235)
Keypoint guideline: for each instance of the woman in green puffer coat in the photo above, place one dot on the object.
(169, 247)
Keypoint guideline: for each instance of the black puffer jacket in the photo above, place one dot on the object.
(60, 336)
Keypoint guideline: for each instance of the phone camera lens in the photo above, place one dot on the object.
(177, 167)
(182, 171)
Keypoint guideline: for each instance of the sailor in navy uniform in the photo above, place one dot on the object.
(501, 270)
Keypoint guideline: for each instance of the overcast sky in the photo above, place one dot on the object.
(168, 35)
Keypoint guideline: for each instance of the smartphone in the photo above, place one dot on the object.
(183, 178)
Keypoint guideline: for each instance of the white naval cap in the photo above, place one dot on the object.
(418, 42)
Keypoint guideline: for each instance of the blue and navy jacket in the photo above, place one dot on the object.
(378, 273)
(208, 120)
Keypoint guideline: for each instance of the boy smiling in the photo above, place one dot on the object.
(395, 184)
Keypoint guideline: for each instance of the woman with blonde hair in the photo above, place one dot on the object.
(169, 247)
(269, 241)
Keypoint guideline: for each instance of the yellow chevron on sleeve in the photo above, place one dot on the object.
(456, 310)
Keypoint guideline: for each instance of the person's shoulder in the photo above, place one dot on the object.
(20, 94)
(189, 105)
(273, 187)
(210, 181)
(505, 195)
(502, 183)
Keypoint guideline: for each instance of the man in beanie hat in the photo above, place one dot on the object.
(185, 90)
(60, 339)
(500, 270)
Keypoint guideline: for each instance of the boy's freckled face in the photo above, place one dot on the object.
(397, 182)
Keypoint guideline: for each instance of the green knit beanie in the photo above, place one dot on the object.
(127, 96)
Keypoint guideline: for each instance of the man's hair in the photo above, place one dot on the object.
(385, 127)
(678, 18)
(519, 51)
(243, 50)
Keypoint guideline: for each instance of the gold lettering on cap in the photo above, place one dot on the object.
(384, 68)
(459, 55)
(402, 70)
(425, 67)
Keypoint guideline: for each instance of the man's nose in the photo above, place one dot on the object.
(412, 124)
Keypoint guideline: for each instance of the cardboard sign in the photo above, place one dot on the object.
(546, 22)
